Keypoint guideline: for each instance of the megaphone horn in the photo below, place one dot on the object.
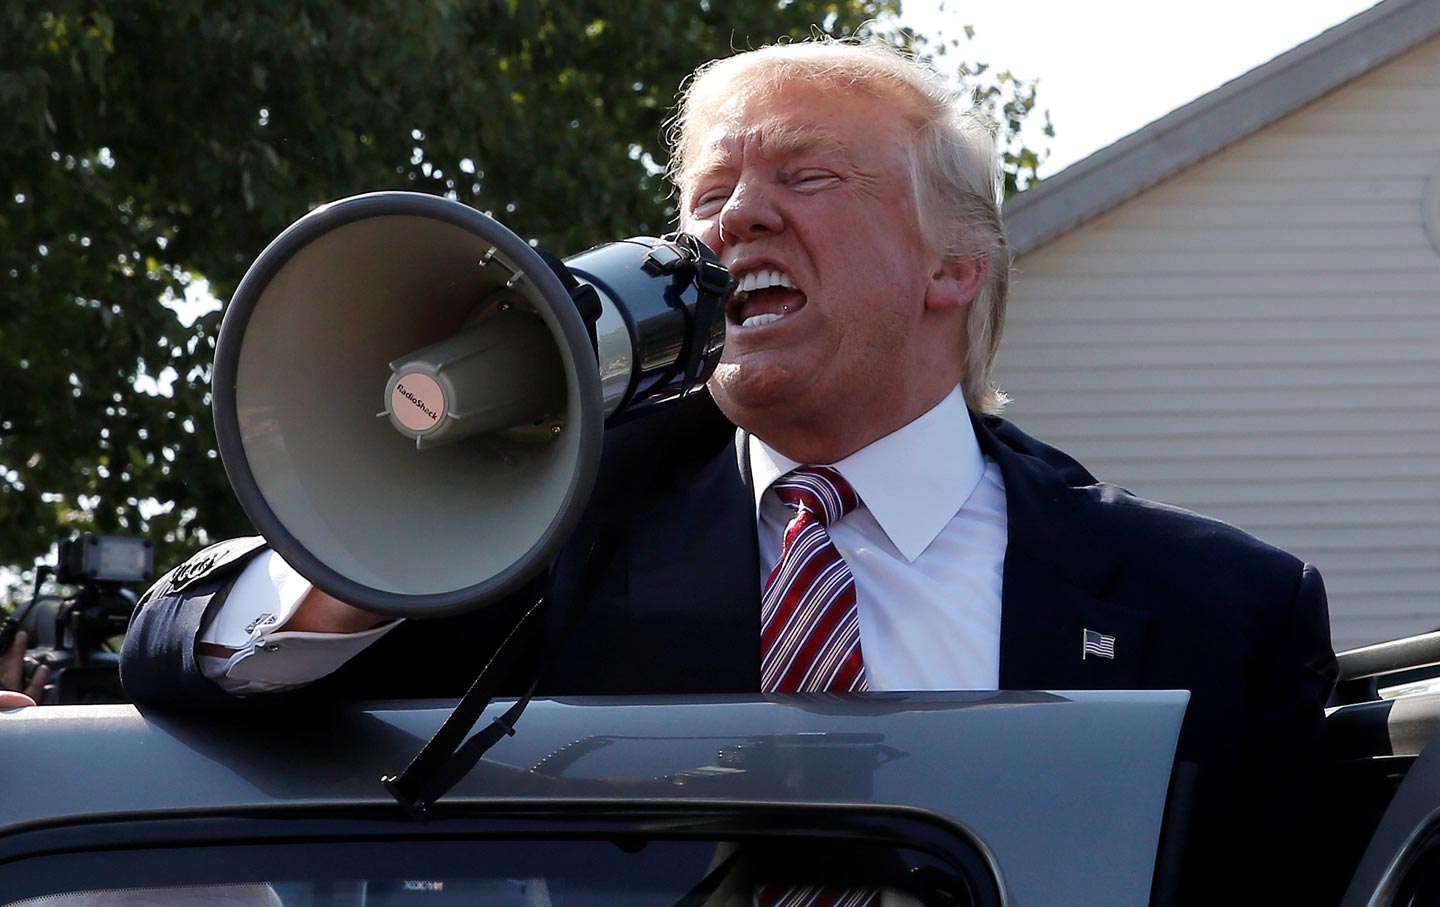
(410, 407)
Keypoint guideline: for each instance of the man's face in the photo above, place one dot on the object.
(805, 195)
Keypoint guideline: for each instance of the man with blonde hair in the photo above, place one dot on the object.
(875, 526)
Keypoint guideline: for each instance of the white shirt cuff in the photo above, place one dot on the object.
(252, 621)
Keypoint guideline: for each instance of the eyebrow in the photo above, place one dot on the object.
(799, 140)
(774, 141)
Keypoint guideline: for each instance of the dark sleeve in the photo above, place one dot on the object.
(418, 659)
(157, 660)
(1288, 734)
(1297, 682)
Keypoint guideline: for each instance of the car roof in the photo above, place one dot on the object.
(1095, 765)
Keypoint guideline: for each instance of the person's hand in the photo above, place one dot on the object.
(321, 613)
(12, 675)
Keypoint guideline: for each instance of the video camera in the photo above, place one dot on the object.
(70, 634)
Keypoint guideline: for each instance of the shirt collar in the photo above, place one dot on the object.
(913, 480)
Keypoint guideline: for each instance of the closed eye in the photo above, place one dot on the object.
(813, 180)
(710, 201)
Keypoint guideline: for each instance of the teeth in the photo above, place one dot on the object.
(761, 280)
(755, 321)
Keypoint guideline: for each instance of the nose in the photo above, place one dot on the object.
(749, 213)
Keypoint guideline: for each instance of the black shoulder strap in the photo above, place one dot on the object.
(443, 761)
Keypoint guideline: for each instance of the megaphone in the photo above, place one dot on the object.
(410, 406)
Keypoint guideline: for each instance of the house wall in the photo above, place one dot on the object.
(1258, 338)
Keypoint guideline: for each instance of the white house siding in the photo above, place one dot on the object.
(1258, 338)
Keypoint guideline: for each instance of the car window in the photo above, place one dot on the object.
(180, 896)
(624, 869)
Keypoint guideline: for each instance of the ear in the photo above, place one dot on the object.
(956, 281)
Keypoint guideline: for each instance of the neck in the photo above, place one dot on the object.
(833, 436)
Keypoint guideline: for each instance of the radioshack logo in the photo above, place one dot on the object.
(417, 401)
(422, 886)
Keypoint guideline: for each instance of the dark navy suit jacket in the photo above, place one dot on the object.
(1192, 604)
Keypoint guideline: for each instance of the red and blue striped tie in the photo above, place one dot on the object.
(810, 631)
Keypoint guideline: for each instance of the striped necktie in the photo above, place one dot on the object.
(809, 628)
(810, 631)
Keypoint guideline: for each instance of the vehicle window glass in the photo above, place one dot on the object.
(447, 873)
(185, 896)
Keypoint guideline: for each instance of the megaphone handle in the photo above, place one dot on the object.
(687, 258)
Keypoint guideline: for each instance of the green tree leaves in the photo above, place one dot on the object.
(150, 145)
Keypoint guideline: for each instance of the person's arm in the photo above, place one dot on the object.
(1296, 682)
(1285, 825)
(221, 626)
(274, 631)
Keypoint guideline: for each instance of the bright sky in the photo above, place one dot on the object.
(1108, 67)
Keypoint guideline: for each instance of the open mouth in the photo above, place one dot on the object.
(764, 297)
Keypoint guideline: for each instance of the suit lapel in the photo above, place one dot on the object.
(1056, 575)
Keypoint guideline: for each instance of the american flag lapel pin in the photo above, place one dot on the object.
(1097, 644)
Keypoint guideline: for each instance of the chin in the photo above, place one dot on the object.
(754, 397)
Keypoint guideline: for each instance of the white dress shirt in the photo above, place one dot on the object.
(926, 546)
